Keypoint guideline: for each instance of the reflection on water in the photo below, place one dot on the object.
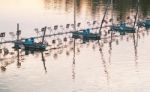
(113, 64)
(94, 7)
(104, 62)
(96, 64)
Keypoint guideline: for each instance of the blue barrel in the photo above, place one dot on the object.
(88, 31)
(32, 39)
(84, 32)
(27, 41)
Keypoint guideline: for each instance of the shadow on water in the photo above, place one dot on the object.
(135, 43)
(74, 60)
(18, 59)
(43, 60)
(110, 48)
(27, 52)
(104, 61)
(18, 56)
(6, 61)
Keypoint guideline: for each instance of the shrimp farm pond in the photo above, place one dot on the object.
(75, 46)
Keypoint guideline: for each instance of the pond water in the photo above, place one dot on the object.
(120, 64)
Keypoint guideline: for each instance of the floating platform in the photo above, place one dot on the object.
(144, 23)
(122, 28)
(86, 34)
(29, 44)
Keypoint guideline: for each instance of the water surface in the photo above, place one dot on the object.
(117, 65)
